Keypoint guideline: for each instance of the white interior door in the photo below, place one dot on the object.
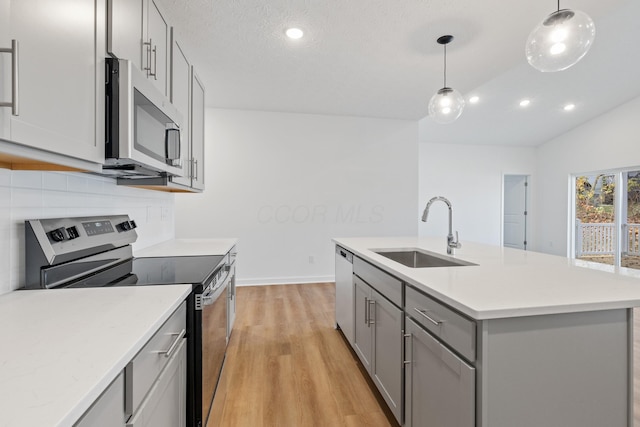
(515, 211)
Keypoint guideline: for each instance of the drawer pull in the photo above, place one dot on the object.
(174, 345)
(424, 314)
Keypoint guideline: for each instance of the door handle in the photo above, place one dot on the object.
(366, 311)
(148, 65)
(405, 336)
(14, 103)
(372, 319)
(155, 63)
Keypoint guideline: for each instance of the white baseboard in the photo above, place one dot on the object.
(285, 281)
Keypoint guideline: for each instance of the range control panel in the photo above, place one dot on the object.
(56, 236)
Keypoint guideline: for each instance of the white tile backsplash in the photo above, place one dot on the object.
(33, 194)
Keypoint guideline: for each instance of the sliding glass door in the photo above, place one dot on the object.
(607, 218)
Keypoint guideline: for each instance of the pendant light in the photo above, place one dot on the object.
(447, 104)
(560, 41)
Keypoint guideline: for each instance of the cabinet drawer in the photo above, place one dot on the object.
(455, 330)
(154, 356)
(382, 282)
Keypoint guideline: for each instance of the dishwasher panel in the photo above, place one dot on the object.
(345, 316)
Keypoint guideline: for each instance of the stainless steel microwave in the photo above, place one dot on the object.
(142, 126)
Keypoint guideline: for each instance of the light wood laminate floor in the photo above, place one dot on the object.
(287, 365)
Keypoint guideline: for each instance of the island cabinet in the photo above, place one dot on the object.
(439, 384)
(378, 330)
(435, 364)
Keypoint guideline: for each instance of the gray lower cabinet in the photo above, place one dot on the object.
(378, 342)
(165, 404)
(108, 409)
(439, 386)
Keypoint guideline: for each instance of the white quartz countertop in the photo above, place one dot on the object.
(62, 348)
(506, 282)
(188, 247)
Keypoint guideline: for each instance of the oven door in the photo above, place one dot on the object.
(214, 341)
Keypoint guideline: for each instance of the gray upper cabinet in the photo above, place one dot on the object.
(59, 57)
(138, 31)
(180, 95)
(197, 131)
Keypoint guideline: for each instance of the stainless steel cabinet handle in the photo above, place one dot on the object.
(424, 314)
(155, 63)
(174, 345)
(372, 319)
(14, 104)
(195, 169)
(148, 65)
(408, 362)
(366, 310)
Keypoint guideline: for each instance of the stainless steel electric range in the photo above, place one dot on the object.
(96, 252)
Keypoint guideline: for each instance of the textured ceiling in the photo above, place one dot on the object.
(379, 58)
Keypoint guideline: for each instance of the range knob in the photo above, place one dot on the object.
(126, 225)
(59, 234)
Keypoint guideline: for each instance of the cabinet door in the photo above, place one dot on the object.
(5, 69)
(126, 31)
(165, 404)
(439, 386)
(197, 131)
(180, 95)
(108, 409)
(386, 368)
(61, 75)
(157, 32)
(363, 337)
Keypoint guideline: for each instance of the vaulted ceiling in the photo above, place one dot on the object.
(379, 58)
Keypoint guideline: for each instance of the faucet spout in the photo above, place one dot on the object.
(451, 242)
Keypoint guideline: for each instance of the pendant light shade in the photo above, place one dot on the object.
(447, 104)
(560, 41)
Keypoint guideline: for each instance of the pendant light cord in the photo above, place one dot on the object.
(558, 5)
(445, 65)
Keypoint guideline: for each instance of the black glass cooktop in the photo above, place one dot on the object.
(154, 271)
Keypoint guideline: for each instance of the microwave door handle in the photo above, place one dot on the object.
(172, 146)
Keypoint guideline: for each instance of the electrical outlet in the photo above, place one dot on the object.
(311, 259)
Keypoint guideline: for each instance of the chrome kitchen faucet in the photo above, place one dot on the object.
(451, 244)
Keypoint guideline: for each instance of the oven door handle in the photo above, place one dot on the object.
(212, 295)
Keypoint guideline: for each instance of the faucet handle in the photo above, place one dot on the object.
(457, 243)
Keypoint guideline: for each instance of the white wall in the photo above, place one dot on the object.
(610, 141)
(285, 184)
(31, 195)
(471, 177)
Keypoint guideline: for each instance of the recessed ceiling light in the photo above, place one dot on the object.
(525, 102)
(294, 33)
(569, 107)
(474, 99)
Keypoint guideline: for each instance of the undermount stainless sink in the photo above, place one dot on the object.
(415, 258)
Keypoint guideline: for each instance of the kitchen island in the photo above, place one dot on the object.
(532, 339)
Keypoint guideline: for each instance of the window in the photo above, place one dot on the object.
(607, 217)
